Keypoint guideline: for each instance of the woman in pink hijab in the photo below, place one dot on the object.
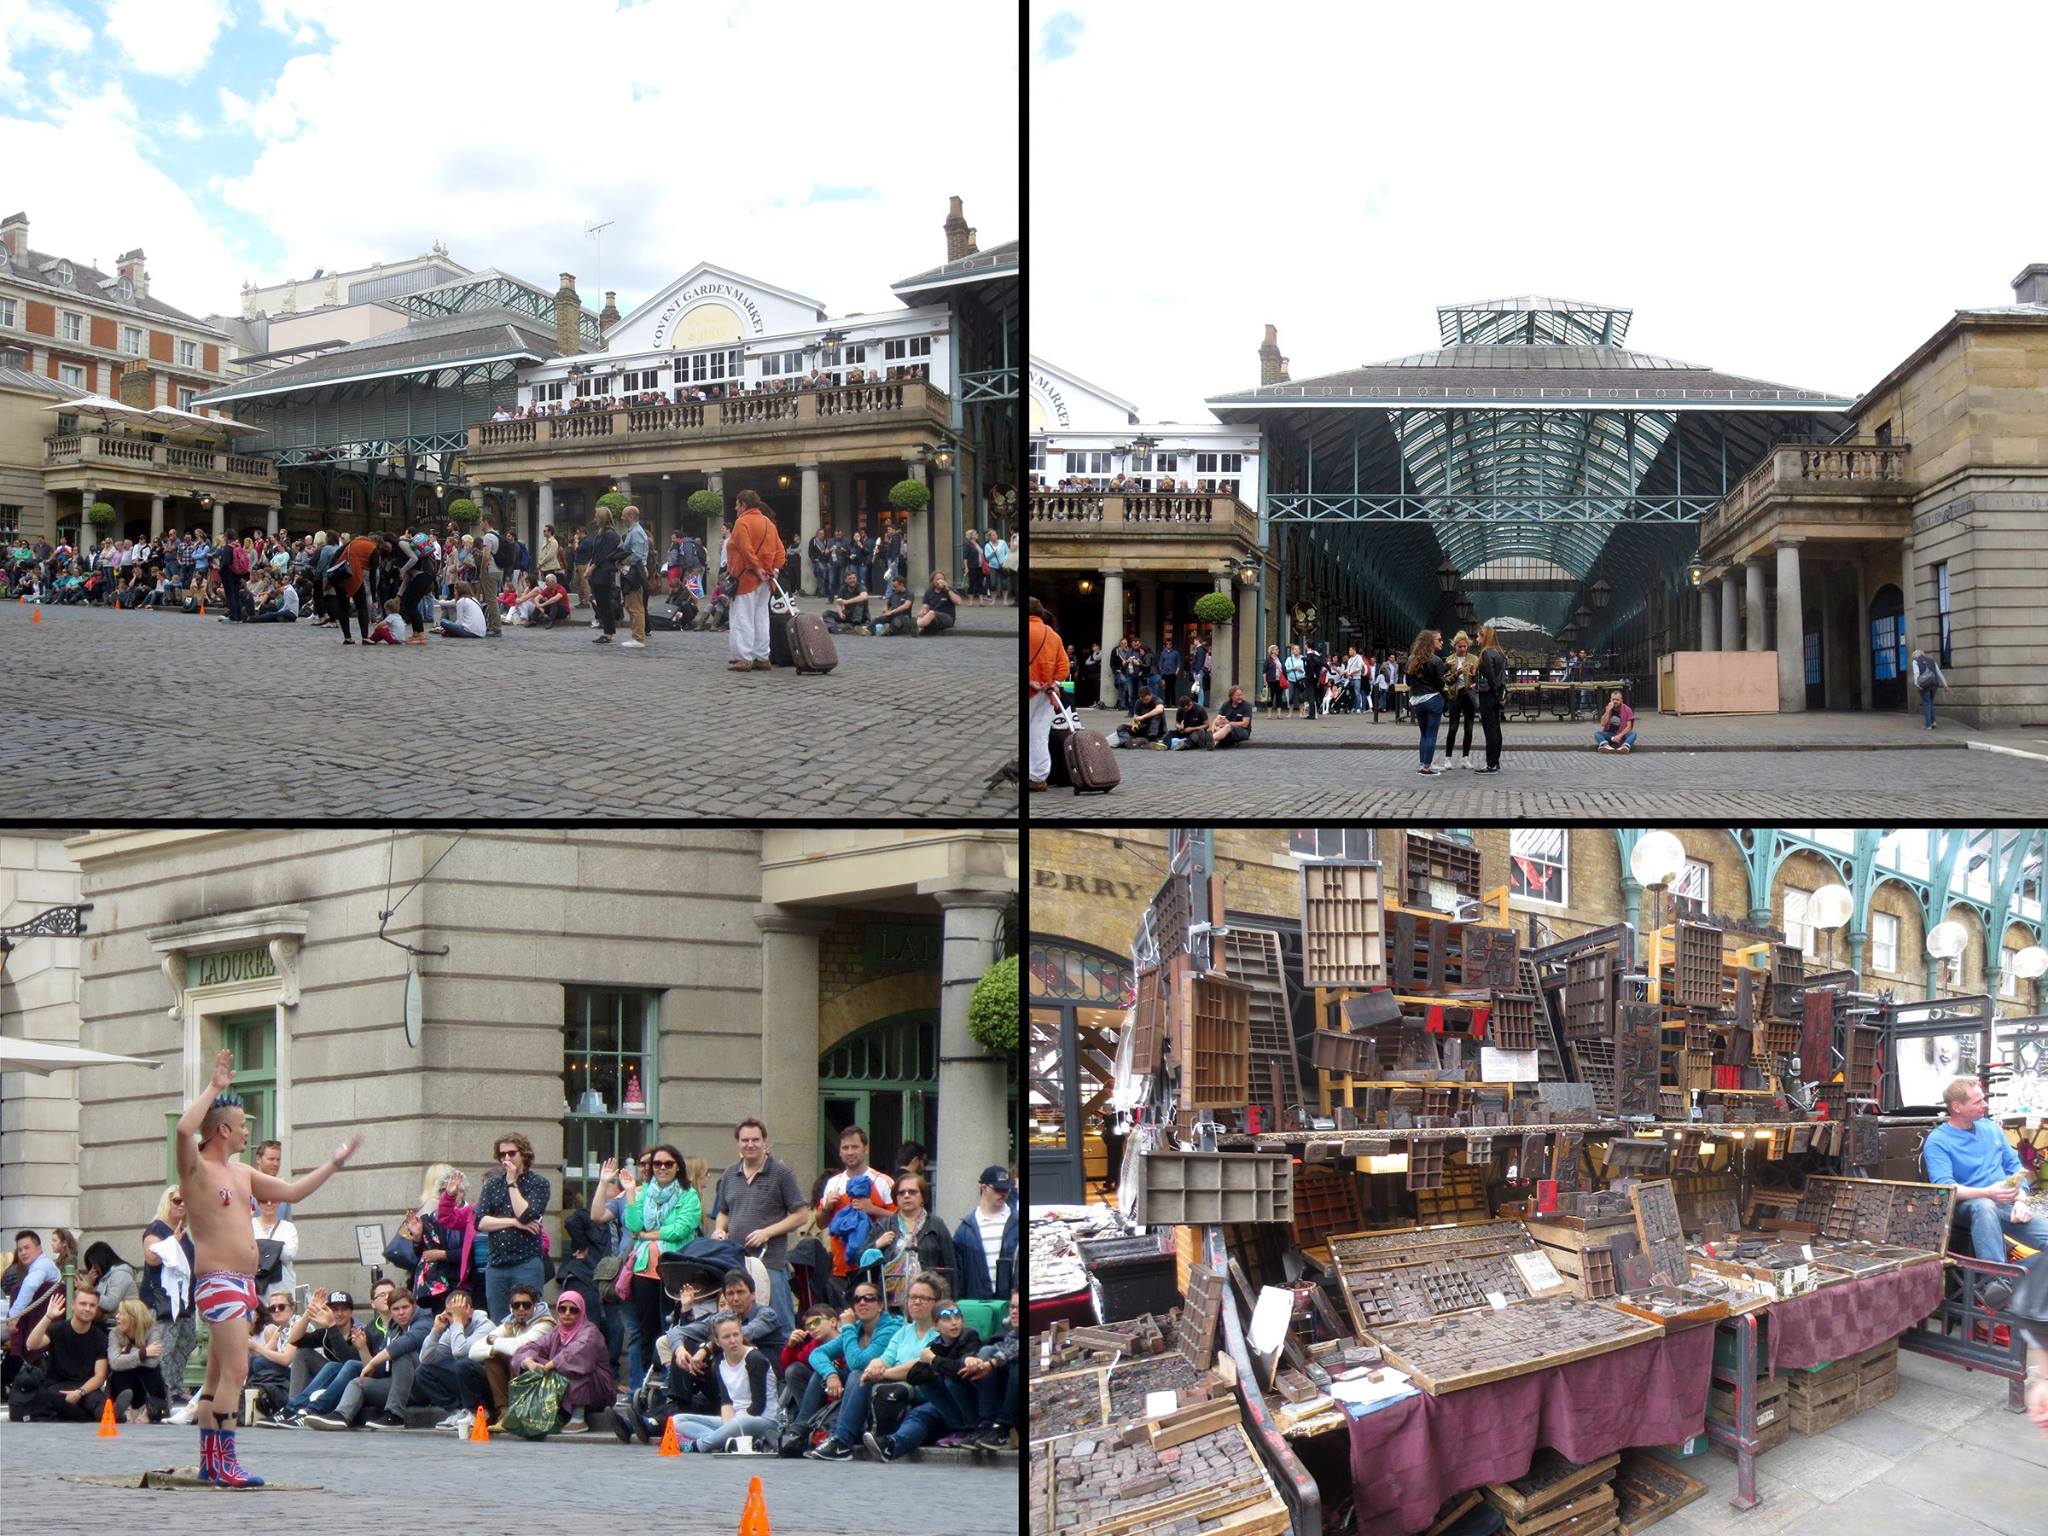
(577, 1349)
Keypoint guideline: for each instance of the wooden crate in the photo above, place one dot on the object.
(1815, 1414)
(1343, 925)
(1214, 1027)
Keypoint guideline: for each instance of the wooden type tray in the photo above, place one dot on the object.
(1696, 957)
(1589, 996)
(1656, 1208)
(1474, 1348)
(1427, 859)
(1551, 1480)
(1489, 957)
(1105, 1488)
(1648, 1488)
(1907, 1214)
(1343, 925)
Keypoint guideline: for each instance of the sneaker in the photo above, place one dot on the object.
(182, 1414)
(831, 1450)
(323, 1421)
(121, 1401)
(1604, 747)
(764, 666)
(622, 1425)
(992, 1437)
(577, 1426)
(633, 645)
(385, 1420)
(1621, 751)
(458, 1420)
(880, 1447)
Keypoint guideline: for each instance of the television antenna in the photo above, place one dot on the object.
(595, 234)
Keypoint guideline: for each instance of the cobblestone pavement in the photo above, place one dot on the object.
(369, 1483)
(112, 714)
(1871, 783)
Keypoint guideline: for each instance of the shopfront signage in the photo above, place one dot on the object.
(226, 966)
(1050, 393)
(731, 295)
(888, 947)
(1083, 885)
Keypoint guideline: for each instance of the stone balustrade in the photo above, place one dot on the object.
(176, 460)
(1810, 469)
(1167, 512)
(843, 406)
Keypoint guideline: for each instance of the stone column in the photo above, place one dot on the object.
(220, 516)
(270, 521)
(156, 518)
(543, 511)
(1730, 626)
(1112, 632)
(1223, 654)
(1245, 644)
(1710, 617)
(1148, 613)
(973, 1126)
(1753, 606)
(808, 514)
(1863, 664)
(914, 565)
(1791, 631)
(714, 481)
(946, 554)
(789, 1033)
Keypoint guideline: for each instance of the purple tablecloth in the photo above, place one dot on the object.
(1407, 1459)
(1841, 1320)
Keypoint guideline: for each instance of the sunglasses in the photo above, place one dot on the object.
(866, 1296)
(280, 1306)
(177, 1199)
(949, 1311)
(561, 1311)
(664, 1162)
(522, 1306)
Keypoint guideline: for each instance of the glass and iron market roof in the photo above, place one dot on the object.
(1531, 435)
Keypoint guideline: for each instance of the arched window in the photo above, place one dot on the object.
(1077, 997)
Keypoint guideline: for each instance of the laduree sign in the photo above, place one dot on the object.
(226, 966)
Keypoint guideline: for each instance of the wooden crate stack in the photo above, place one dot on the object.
(1773, 1420)
(1558, 1496)
(1820, 1399)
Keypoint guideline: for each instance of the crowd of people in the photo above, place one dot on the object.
(728, 1305)
(441, 580)
(732, 389)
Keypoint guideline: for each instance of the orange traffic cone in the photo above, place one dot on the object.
(670, 1446)
(202, 607)
(107, 1429)
(36, 617)
(480, 1428)
(754, 1515)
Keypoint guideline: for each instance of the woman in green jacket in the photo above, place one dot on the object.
(661, 1216)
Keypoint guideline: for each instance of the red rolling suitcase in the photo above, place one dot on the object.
(1091, 761)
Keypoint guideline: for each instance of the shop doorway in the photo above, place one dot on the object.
(1078, 997)
(1887, 642)
(883, 1078)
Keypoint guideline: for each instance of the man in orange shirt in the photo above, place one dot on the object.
(1048, 654)
(753, 553)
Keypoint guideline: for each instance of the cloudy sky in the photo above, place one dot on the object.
(1795, 192)
(811, 145)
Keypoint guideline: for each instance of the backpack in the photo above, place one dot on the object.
(693, 554)
(238, 559)
(1924, 672)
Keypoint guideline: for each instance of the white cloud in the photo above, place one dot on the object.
(29, 23)
(186, 126)
(234, 110)
(166, 37)
(1340, 171)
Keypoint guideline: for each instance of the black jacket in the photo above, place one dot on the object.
(606, 551)
(1493, 674)
(946, 1357)
(1428, 680)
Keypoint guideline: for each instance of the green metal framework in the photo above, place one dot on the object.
(492, 290)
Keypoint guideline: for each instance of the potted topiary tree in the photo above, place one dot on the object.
(992, 1008)
(616, 502)
(462, 512)
(708, 505)
(909, 496)
(1215, 608)
(101, 515)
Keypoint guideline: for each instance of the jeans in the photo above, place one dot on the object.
(780, 1299)
(452, 1384)
(1927, 708)
(326, 1387)
(709, 1433)
(1428, 714)
(1126, 692)
(500, 1278)
(952, 1405)
(1989, 1229)
(1357, 687)
(1610, 739)
(853, 1413)
(821, 573)
(1489, 722)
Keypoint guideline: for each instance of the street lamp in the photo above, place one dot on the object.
(1447, 577)
(1600, 592)
(1466, 612)
(1696, 572)
(1656, 861)
(2030, 962)
(1828, 909)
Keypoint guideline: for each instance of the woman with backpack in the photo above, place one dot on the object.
(233, 559)
(1928, 678)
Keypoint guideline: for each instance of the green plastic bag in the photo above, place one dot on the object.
(534, 1403)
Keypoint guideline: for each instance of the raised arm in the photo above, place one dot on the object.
(264, 1187)
(195, 1112)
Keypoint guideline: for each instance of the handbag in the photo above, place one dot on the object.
(533, 1403)
(622, 1282)
(269, 1260)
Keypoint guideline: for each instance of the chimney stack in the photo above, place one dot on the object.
(568, 327)
(957, 233)
(973, 244)
(14, 234)
(138, 386)
(607, 317)
(131, 268)
(1285, 376)
(2030, 287)
(1271, 363)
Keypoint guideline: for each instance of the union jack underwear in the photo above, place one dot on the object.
(222, 1295)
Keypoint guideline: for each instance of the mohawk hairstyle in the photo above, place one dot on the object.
(228, 1100)
(221, 1101)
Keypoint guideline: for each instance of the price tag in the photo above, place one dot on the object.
(1500, 1302)
(1806, 1251)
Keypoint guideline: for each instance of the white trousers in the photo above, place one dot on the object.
(748, 637)
(1041, 737)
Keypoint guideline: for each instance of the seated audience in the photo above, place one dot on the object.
(1147, 725)
(74, 1369)
(746, 1395)
(935, 612)
(574, 1347)
(447, 1376)
(885, 1375)
(949, 1406)
(527, 1321)
(133, 1376)
(386, 1380)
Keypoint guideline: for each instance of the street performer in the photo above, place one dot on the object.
(220, 1197)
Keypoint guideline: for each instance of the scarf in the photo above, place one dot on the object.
(655, 1203)
(459, 1223)
(564, 1333)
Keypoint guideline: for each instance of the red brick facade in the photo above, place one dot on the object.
(100, 331)
(160, 346)
(42, 318)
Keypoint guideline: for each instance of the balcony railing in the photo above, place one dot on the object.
(848, 405)
(1847, 470)
(174, 459)
(1169, 513)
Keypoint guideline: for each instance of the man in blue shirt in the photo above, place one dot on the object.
(1169, 673)
(1969, 1151)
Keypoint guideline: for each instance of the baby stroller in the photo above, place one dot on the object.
(701, 1266)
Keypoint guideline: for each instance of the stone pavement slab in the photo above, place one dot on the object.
(1874, 784)
(108, 714)
(417, 1479)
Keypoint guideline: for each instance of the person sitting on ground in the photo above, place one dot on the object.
(1147, 725)
(992, 1375)
(1190, 725)
(391, 629)
(112, 1275)
(935, 610)
(340, 1344)
(526, 1322)
(134, 1379)
(468, 620)
(447, 1376)
(386, 1379)
(1617, 729)
(271, 1354)
(1233, 723)
(887, 1373)
(688, 1350)
(986, 1242)
(746, 1395)
(36, 1275)
(575, 1348)
(279, 605)
(75, 1369)
(546, 604)
(845, 1357)
(950, 1407)
(820, 1326)
(1970, 1151)
(896, 617)
(849, 606)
